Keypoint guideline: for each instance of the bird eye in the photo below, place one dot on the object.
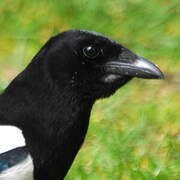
(91, 52)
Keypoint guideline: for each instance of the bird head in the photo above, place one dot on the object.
(94, 64)
(45, 100)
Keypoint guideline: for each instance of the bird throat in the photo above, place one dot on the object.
(53, 152)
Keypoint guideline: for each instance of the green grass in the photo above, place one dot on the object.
(135, 134)
(132, 136)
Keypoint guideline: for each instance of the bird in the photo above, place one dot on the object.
(45, 110)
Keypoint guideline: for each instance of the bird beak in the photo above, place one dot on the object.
(139, 67)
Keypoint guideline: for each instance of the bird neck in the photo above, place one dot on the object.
(54, 151)
(54, 122)
(54, 128)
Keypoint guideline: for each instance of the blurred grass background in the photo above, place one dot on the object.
(135, 134)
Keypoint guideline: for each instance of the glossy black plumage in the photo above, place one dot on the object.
(12, 157)
(51, 100)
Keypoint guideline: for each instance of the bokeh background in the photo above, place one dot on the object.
(135, 134)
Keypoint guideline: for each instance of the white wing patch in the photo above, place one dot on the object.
(10, 137)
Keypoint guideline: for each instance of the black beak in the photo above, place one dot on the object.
(139, 67)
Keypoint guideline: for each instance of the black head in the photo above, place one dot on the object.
(94, 64)
(45, 100)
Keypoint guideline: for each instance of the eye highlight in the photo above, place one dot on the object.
(91, 52)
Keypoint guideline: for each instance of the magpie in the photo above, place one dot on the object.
(45, 110)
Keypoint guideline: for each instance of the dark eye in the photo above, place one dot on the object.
(91, 52)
